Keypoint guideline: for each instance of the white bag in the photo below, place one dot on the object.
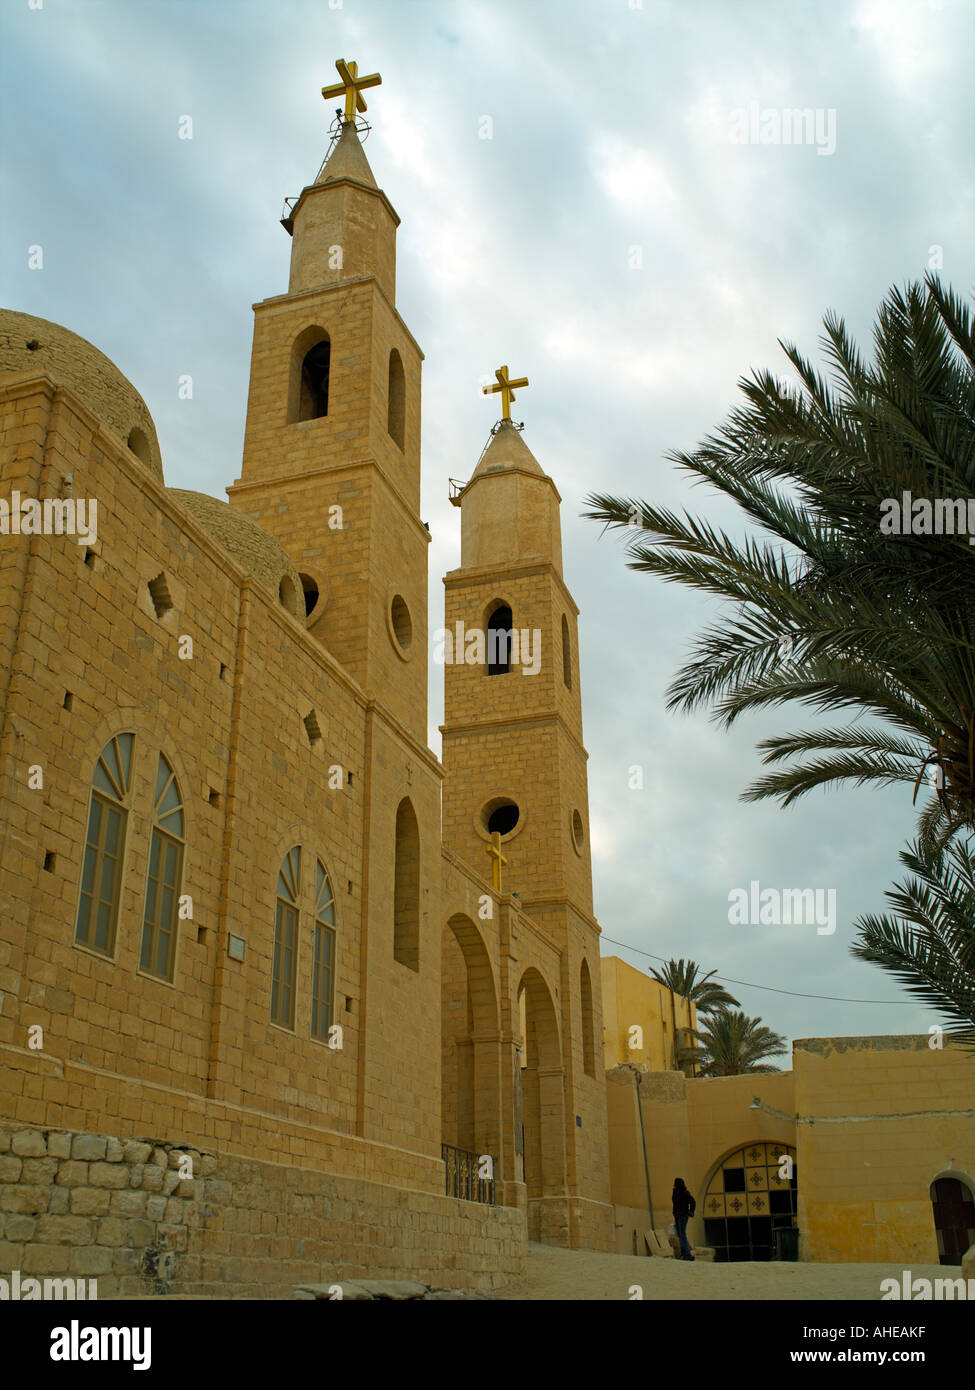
(672, 1228)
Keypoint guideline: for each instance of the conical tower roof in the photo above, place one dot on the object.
(507, 450)
(347, 160)
(509, 511)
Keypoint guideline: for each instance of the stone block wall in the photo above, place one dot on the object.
(118, 1210)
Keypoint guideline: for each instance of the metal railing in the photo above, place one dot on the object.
(462, 1180)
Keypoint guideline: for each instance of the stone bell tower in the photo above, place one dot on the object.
(515, 766)
(331, 460)
(512, 737)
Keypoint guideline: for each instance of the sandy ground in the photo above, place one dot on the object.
(587, 1274)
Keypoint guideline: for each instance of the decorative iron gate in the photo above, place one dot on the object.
(751, 1197)
(462, 1178)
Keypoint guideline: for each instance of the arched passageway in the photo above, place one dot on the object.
(539, 1097)
(471, 1094)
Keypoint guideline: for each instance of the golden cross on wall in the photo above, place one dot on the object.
(351, 87)
(497, 859)
(507, 389)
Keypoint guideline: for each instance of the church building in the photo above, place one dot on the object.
(282, 996)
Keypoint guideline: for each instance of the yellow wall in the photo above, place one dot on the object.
(690, 1124)
(874, 1120)
(633, 998)
(881, 1119)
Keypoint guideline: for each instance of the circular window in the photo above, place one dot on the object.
(310, 589)
(400, 625)
(578, 832)
(500, 816)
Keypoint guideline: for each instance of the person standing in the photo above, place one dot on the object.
(683, 1205)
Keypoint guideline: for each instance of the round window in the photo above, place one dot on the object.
(500, 816)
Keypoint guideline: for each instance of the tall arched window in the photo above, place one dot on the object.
(588, 1032)
(323, 977)
(315, 369)
(499, 641)
(165, 872)
(101, 873)
(566, 654)
(406, 888)
(286, 940)
(396, 408)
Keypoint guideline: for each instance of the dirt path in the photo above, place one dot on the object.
(588, 1274)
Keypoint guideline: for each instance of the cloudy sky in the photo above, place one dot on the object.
(611, 241)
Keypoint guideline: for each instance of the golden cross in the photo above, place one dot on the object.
(497, 859)
(507, 389)
(351, 85)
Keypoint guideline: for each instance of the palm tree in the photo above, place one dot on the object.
(828, 610)
(682, 977)
(929, 941)
(733, 1044)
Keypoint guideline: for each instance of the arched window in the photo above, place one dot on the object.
(323, 977)
(406, 888)
(954, 1219)
(499, 641)
(396, 408)
(101, 873)
(566, 654)
(165, 872)
(139, 445)
(311, 362)
(285, 940)
(588, 1033)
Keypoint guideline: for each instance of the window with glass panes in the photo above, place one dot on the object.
(165, 870)
(324, 964)
(101, 872)
(285, 940)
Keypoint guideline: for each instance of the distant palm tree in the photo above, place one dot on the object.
(682, 976)
(732, 1044)
(929, 940)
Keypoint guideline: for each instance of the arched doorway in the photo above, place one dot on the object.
(954, 1218)
(540, 1087)
(752, 1192)
(470, 1081)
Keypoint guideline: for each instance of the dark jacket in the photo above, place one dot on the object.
(682, 1202)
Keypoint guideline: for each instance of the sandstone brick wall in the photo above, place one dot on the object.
(90, 657)
(880, 1119)
(116, 1209)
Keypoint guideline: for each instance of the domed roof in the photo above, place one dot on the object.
(28, 343)
(254, 549)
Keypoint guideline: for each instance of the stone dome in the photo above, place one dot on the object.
(254, 549)
(28, 343)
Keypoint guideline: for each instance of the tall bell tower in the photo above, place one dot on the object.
(515, 768)
(512, 736)
(331, 461)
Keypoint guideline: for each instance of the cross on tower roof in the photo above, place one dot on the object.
(351, 86)
(507, 389)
